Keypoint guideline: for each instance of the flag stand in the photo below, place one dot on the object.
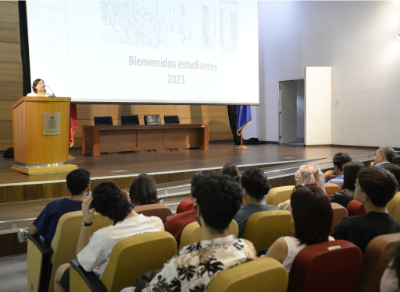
(241, 147)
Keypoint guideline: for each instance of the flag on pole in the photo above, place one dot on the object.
(73, 124)
(243, 118)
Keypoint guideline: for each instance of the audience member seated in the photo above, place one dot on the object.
(312, 216)
(93, 252)
(349, 174)
(255, 190)
(335, 176)
(383, 156)
(395, 170)
(176, 223)
(78, 184)
(232, 170)
(218, 199)
(375, 187)
(306, 175)
(143, 190)
(391, 276)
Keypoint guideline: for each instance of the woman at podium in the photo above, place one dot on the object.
(38, 88)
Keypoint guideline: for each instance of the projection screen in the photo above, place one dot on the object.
(163, 52)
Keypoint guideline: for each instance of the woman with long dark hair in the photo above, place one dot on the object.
(143, 190)
(38, 88)
(312, 216)
(346, 194)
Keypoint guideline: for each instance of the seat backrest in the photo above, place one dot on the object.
(338, 213)
(135, 255)
(263, 228)
(355, 207)
(103, 121)
(152, 120)
(265, 274)
(279, 195)
(328, 266)
(171, 120)
(66, 238)
(129, 119)
(192, 233)
(185, 205)
(159, 210)
(376, 255)
(394, 206)
(330, 188)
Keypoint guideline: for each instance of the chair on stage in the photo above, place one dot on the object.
(129, 119)
(152, 120)
(329, 266)
(103, 121)
(355, 207)
(279, 195)
(263, 228)
(185, 205)
(376, 256)
(330, 188)
(171, 120)
(43, 260)
(394, 206)
(129, 259)
(265, 274)
(338, 213)
(159, 210)
(192, 233)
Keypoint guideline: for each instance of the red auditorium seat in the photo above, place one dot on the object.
(376, 256)
(185, 205)
(356, 208)
(159, 210)
(331, 266)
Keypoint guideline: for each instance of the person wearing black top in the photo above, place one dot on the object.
(346, 194)
(375, 187)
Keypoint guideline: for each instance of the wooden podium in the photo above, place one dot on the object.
(41, 135)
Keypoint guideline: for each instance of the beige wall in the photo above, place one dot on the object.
(11, 90)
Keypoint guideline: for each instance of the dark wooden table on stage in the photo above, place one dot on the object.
(101, 139)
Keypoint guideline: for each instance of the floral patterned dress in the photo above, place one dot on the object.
(199, 263)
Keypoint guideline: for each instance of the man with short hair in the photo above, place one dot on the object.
(383, 156)
(92, 252)
(335, 176)
(375, 187)
(78, 184)
(218, 198)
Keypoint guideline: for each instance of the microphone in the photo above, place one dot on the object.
(52, 95)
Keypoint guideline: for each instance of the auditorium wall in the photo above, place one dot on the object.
(11, 90)
(358, 40)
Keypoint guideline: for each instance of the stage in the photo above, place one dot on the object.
(23, 197)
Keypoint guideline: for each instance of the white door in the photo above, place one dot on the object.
(288, 111)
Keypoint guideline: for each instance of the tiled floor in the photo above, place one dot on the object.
(13, 274)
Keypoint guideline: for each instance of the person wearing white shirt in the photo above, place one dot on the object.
(38, 88)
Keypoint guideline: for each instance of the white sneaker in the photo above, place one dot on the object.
(22, 235)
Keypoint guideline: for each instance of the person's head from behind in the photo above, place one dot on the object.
(376, 186)
(143, 190)
(38, 84)
(312, 214)
(309, 175)
(339, 160)
(390, 278)
(78, 181)
(109, 200)
(395, 170)
(384, 154)
(232, 170)
(255, 184)
(350, 172)
(218, 199)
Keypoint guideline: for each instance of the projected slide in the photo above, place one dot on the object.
(182, 52)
